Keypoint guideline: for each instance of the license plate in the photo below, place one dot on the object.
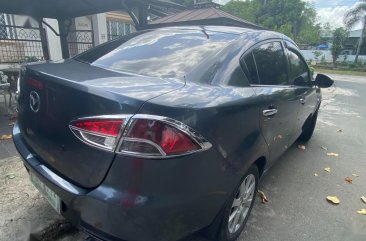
(50, 195)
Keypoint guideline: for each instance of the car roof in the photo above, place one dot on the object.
(239, 31)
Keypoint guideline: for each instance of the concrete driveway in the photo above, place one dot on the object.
(297, 208)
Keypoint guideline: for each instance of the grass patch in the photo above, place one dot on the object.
(341, 72)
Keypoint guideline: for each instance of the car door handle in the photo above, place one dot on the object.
(302, 100)
(269, 112)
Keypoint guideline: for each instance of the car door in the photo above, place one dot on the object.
(300, 78)
(266, 67)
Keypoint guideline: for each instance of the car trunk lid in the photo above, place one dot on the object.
(53, 95)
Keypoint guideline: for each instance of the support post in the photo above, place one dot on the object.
(142, 15)
(44, 42)
(99, 22)
(63, 38)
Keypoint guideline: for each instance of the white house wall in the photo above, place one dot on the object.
(309, 55)
(54, 44)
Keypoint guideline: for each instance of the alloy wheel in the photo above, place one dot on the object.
(242, 203)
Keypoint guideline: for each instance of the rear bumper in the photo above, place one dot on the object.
(140, 199)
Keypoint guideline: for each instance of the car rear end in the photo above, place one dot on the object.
(111, 170)
(90, 155)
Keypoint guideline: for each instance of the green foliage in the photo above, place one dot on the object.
(312, 70)
(286, 29)
(339, 36)
(29, 59)
(317, 54)
(247, 10)
(294, 18)
(322, 60)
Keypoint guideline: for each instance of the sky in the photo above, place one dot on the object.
(331, 11)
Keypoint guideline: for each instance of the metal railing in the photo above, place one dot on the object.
(22, 44)
(80, 41)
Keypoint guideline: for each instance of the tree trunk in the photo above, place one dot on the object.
(360, 42)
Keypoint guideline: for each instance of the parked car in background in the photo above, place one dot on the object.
(161, 133)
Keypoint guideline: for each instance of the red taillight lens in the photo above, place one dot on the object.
(35, 83)
(98, 132)
(145, 135)
(103, 127)
(154, 133)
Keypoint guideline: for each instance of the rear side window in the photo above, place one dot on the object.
(298, 68)
(271, 64)
(251, 68)
(165, 53)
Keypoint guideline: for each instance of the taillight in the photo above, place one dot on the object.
(99, 131)
(35, 83)
(103, 127)
(144, 136)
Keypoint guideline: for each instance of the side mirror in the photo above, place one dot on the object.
(323, 81)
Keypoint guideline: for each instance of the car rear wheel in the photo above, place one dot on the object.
(237, 210)
(309, 128)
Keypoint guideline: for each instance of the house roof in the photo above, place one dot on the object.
(71, 8)
(204, 15)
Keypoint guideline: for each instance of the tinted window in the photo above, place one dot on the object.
(298, 67)
(271, 64)
(161, 53)
(251, 69)
(238, 78)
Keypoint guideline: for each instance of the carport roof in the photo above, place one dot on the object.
(61, 9)
(204, 16)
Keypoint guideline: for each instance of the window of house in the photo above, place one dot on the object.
(298, 70)
(116, 28)
(271, 64)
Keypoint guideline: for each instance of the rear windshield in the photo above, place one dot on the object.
(166, 53)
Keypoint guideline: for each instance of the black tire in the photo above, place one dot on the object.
(309, 128)
(219, 229)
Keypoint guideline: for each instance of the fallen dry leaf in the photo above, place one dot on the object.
(5, 137)
(339, 130)
(363, 199)
(327, 169)
(13, 117)
(263, 197)
(333, 200)
(10, 175)
(348, 179)
(279, 137)
(316, 174)
(362, 211)
(324, 148)
(302, 147)
(332, 154)
(355, 175)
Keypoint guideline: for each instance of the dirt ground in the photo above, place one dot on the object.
(24, 212)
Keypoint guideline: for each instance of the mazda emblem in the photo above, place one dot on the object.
(34, 101)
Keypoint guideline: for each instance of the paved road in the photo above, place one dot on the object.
(297, 209)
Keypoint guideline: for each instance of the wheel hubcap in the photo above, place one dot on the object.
(241, 204)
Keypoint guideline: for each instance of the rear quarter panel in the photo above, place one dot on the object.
(228, 118)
